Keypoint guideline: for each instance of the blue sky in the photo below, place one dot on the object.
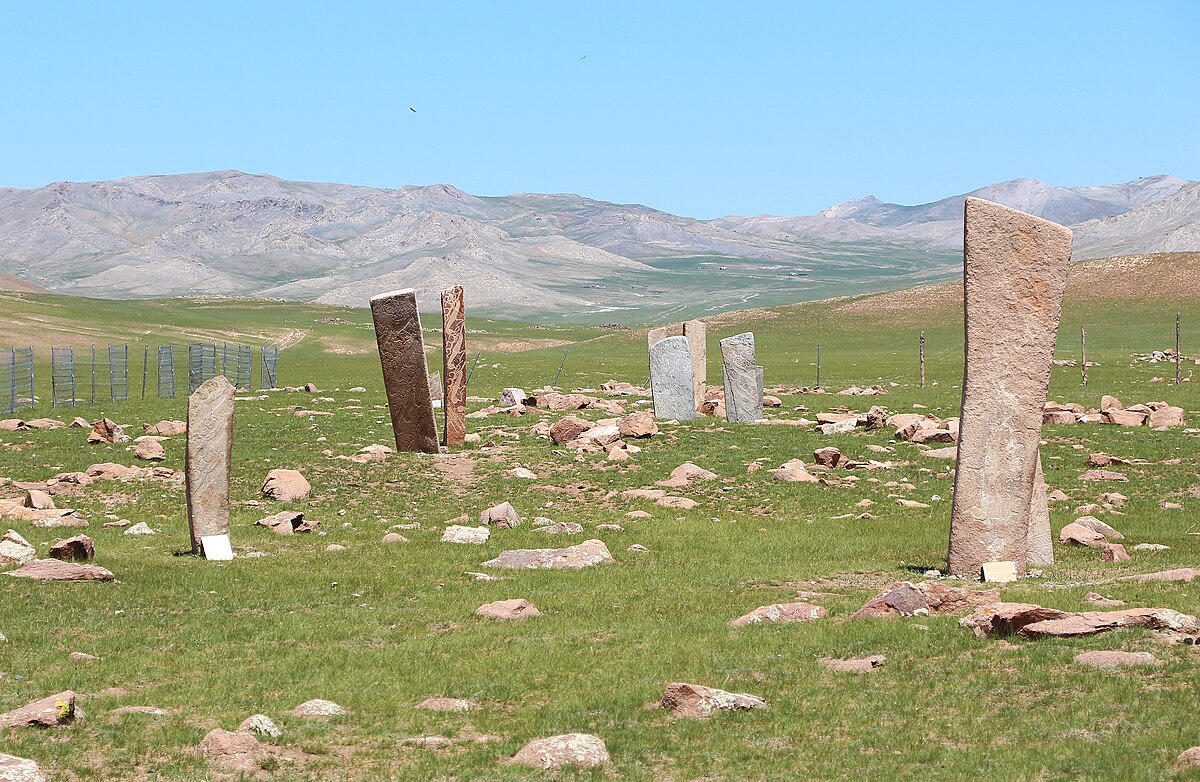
(697, 108)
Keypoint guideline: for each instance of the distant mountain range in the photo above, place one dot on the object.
(231, 233)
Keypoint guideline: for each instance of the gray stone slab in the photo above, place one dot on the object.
(1014, 275)
(208, 456)
(671, 379)
(743, 394)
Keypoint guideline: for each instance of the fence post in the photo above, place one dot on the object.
(472, 372)
(818, 366)
(93, 373)
(32, 395)
(560, 368)
(922, 359)
(1178, 356)
(145, 363)
(1083, 352)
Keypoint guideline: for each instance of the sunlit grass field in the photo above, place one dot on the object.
(379, 628)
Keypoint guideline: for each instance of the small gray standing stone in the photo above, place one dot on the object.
(743, 380)
(209, 453)
(671, 379)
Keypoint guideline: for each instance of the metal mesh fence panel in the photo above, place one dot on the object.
(166, 371)
(269, 367)
(118, 372)
(245, 365)
(62, 376)
(16, 379)
(202, 364)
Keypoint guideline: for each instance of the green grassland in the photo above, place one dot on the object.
(379, 628)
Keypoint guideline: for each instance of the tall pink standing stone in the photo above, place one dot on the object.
(405, 375)
(1014, 276)
(454, 360)
(209, 453)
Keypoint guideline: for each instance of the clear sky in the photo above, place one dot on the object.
(698, 108)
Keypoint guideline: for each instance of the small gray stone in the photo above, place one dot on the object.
(260, 724)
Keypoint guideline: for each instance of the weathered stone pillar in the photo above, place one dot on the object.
(743, 380)
(671, 379)
(209, 453)
(1040, 547)
(655, 335)
(454, 359)
(1014, 276)
(697, 337)
(405, 376)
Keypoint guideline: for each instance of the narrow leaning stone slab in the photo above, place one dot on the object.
(671, 379)
(697, 338)
(1014, 276)
(405, 376)
(743, 397)
(1039, 546)
(454, 360)
(209, 453)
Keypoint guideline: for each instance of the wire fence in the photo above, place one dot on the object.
(79, 375)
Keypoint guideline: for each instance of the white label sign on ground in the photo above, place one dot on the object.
(1000, 572)
(216, 547)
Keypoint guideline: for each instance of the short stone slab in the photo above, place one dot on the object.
(56, 570)
(780, 613)
(585, 554)
(928, 597)
(286, 485)
(447, 704)
(1178, 574)
(15, 550)
(504, 516)
(696, 700)
(150, 711)
(319, 710)
(45, 713)
(1116, 659)
(459, 534)
(569, 749)
(287, 522)
(261, 725)
(15, 769)
(79, 548)
(1034, 621)
(237, 752)
(862, 663)
(518, 608)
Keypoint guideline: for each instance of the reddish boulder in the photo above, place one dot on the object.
(77, 549)
(518, 608)
(46, 713)
(286, 486)
(55, 570)
(586, 554)
(695, 700)
(555, 752)
(238, 752)
(780, 613)
(928, 597)
(638, 425)
(503, 516)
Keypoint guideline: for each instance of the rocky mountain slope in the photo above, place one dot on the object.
(232, 233)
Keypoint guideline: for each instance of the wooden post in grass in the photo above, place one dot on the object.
(922, 359)
(1178, 357)
(1083, 352)
(818, 366)
(145, 362)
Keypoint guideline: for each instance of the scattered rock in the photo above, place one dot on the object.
(638, 425)
(685, 474)
(105, 431)
(56, 570)
(679, 503)
(141, 528)
(394, 537)
(1150, 547)
(287, 522)
(167, 429)
(149, 450)
(15, 769)
(318, 709)
(261, 725)
(1178, 574)
(928, 597)
(15, 550)
(460, 534)
(1189, 757)
(75, 549)
(511, 397)
(1113, 552)
(286, 486)
(863, 663)
(503, 516)
(567, 429)
(38, 500)
(238, 752)
(522, 473)
(518, 608)
(45, 713)
(585, 554)
(829, 457)
(780, 613)
(1114, 659)
(1103, 475)
(1100, 600)
(1080, 535)
(562, 528)
(555, 752)
(447, 704)
(793, 471)
(695, 700)
(1032, 621)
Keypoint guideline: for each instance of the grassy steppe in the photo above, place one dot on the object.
(378, 628)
